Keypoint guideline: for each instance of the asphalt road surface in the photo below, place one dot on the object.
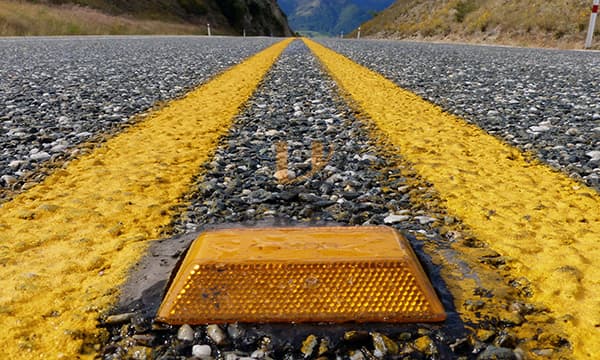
(103, 152)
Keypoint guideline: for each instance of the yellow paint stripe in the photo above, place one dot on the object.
(549, 224)
(67, 244)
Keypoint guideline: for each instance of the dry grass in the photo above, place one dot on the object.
(549, 23)
(22, 18)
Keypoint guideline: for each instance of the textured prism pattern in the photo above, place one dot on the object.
(302, 289)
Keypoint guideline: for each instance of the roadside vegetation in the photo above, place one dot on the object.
(554, 23)
(23, 18)
(125, 17)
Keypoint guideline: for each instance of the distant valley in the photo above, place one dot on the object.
(330, 17)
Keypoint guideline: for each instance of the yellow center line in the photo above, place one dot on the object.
(67, 244)
(548, 224)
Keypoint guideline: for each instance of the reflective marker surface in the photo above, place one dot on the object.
(333, 274)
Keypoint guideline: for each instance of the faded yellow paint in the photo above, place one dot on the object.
(548, 224)
(66, 245)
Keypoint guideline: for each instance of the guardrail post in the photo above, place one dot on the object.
(592, 26)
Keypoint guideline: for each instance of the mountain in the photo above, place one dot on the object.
(255, 17)
(534, 22)
(330, 17)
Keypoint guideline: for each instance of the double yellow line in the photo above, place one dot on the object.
(66, 245)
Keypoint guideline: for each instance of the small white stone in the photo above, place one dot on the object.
(392, 219)
(185, 333)
(572, 132)
(40, 156)
(201, 350)
(15, 164)
(58, 148)
(594, 155)
(357, 356)
(541, 128)
(9, 179)
(257, 354)
(423, 220)
(216, 334)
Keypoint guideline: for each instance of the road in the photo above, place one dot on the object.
(492, 193)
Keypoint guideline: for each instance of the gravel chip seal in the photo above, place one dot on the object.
(62, 96)
(363, 183)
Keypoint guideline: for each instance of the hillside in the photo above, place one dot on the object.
(57, 17)
(556, 23)
(330, 17)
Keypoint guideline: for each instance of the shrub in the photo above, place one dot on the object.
(193, 7)
(463, 8)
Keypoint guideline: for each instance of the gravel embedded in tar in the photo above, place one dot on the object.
(299, 107)
(359, 184)
(546, 101)
(58, 93)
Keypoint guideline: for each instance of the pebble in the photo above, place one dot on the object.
(185, 333)
(497, 353)
(383, 345)
(357, 355)
(544, 352)
(393, 219)
(139, 353)
(539, 128)
(201, 350)
(216, 334)
(425, 219)
(119, 318)
(40, 156)
(235, 331)
(8, 179)
(308, 346)
(425, 345)
(594, 155)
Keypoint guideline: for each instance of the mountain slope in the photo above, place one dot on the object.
(330, 17)
(256, 17)
(535, 22)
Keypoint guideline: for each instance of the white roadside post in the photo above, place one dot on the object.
(244, 32)
(208, 28)
(358, 34)
(342, 35)
(591, 28)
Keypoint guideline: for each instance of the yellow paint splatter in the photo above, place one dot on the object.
(66, 245)
(547, 223)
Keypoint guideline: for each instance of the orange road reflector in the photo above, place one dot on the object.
(318, 274)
